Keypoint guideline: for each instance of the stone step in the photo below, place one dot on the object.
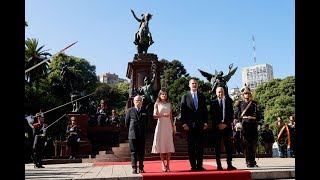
(98, 156)
(175, 143)
(175, 146)
(151, 157)
(120, 149)
(105, 152)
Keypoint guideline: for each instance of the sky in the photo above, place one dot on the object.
(202, 34)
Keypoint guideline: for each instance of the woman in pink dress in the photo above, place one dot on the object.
(164, 131)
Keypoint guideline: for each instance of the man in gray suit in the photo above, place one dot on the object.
(135, 122)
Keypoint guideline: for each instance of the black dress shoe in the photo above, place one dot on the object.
(38, 166)
(250, 165)
(134, 171)
(201, 169)
(230, 167)
(193, 169)
(219, 168)
(141, 171)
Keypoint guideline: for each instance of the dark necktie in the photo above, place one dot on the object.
(221, 109)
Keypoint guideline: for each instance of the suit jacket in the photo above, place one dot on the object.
(135, 122)
(194, 118)
(216, 113)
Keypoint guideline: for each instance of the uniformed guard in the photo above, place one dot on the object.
(40, 139)
(246, 111)
(73, 131)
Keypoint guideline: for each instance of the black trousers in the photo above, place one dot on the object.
(73, 144)
(38, 147)
(137, 149)
(195, 147)
(250, 134)
(225, 136)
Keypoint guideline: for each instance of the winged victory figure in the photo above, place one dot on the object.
(218, 79)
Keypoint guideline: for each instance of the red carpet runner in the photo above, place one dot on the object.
(181, 169)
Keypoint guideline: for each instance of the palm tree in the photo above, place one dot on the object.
(33, 56)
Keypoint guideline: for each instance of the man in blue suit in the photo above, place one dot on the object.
(194, 117)
(135, 122)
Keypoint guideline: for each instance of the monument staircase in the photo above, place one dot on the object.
(121, 152)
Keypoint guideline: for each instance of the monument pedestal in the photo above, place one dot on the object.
(137, 70)
(85, 147)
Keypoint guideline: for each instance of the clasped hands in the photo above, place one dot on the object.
(165, 115)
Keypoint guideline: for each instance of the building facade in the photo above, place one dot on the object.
(235, 93)
(110, 79)
(255, 75)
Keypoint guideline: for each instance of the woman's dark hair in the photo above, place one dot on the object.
(162, 90)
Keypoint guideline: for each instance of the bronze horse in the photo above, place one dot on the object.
(74, 84)
(143, 38)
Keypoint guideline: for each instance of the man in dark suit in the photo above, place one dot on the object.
(135, 121)
(194, 117)
(221, 111)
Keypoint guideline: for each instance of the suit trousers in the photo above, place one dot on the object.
(195, 147)
(137, 149)
(225, 136)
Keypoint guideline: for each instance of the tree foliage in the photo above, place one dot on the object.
(33, 56)
(276, 98)
(115, 96)
(171, 71)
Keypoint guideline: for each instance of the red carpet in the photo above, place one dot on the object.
(181, 169)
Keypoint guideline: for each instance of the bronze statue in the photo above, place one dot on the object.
(147, 91)
(143, 38)
(74, 84)
(218, 80)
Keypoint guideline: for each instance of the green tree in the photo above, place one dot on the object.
(79, 66)
(123, 90)
(33, 56)
(115, 96)
(171, 72)
(276, 98)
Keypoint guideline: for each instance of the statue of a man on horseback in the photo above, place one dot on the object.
(143, 38)
(74, 84)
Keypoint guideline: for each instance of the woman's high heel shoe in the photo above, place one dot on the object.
(167, 168)
(164, 168)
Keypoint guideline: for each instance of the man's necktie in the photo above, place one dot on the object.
(195, 101)
(221, 109)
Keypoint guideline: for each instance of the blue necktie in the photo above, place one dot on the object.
(195, 100)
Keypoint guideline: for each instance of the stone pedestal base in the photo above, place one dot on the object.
(85, 149)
